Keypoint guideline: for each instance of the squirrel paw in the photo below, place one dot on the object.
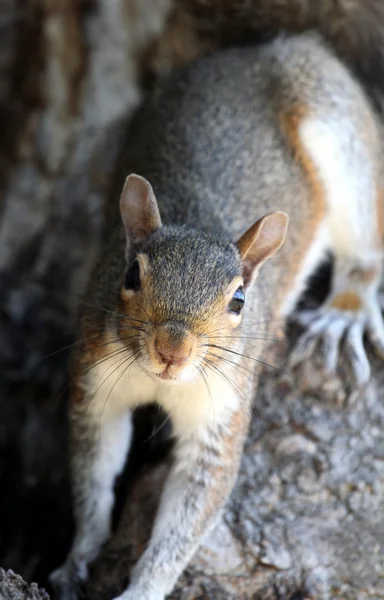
(67, 581)
(134, 594)
(341, 333)
(144, 590)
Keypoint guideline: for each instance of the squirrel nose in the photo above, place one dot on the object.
(172, 356)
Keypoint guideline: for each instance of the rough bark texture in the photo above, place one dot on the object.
(12, 587)
(305, 519)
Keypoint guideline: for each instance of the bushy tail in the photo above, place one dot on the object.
(355, 29)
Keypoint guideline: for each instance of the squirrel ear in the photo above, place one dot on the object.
(138, 208)
(261, 241)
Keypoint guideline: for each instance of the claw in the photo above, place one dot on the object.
(331, 345)
(305, 317)
(65, 583)
(377, 344)
(64, 590)
(340, 331)
(306, 344)
(375, 331)
(357, 355)
(303, 350)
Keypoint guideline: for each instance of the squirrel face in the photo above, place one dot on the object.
(184, 289)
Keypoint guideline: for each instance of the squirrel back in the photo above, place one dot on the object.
(355, 30)
(219, 143)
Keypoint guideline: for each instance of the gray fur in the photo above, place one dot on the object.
(212, 146)
(174, 253)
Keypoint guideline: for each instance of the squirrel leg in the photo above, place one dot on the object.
(100, 442)
(354, 228)
(350, 313)
(202, 477)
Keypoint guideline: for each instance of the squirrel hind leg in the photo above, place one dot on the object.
(354, 223)
(350, 314)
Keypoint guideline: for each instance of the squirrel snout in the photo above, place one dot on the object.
(172, 344)
(172, 355)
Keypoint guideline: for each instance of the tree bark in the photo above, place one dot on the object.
(12, 587)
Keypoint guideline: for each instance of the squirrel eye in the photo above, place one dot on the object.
(237, 302)
(132, 278)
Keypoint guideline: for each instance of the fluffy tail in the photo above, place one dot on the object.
(355, 29)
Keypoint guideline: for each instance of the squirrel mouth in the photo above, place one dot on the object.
(166, 375)
(163, 376)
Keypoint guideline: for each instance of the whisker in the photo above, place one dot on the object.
(205, 379)
(83, 329)
(82, 340)
(246, 337)
(117, 381)
(96, 363)
(85, 370)
(242, 355)
(103, 380)
(237, 365)
(73, 331)
(156, 430)
(113, 341)
(62, 349)
(124, 360)
(252, 379)
(126, 356)
(78, 343)
(112, 312)
(266, 322)
(244, 402)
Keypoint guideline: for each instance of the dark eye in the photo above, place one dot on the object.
(132, 278)
(237, 302)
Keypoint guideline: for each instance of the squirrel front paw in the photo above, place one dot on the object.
(340, 328)
(67, 581)
(136, 594)
(146, 588)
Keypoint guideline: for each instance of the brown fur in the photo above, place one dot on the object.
(232, 442)
(380, 214)
(348, 301)
(290, 122)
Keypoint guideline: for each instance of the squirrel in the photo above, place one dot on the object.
(225, 151)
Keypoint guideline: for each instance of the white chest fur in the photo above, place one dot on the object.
(193, 406)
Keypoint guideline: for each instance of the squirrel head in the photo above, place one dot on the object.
(184, 289)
